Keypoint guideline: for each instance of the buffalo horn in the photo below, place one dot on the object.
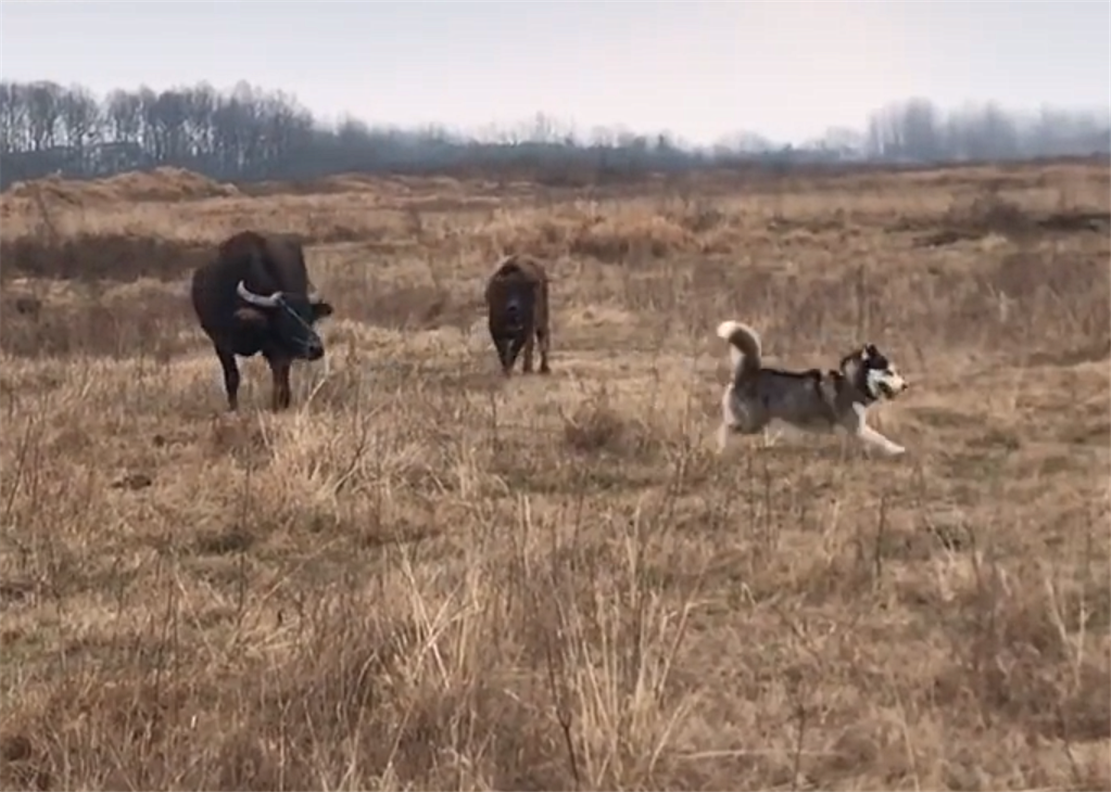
(257, 299)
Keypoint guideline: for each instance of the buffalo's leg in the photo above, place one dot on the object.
(280, 392)
(542, 339)
(231, 377)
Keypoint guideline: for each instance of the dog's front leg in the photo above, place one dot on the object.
(869, 436)
(873, 438)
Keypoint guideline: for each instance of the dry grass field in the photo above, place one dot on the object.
(424, 576)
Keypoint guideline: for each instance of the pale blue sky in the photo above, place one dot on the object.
(701, 69)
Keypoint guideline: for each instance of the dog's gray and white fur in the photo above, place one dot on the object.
(811, 400)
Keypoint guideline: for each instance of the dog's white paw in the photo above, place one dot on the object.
(895, 450)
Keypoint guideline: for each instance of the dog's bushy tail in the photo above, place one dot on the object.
(744, 347)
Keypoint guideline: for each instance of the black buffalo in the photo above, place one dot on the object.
(255, 296)
(517, 310)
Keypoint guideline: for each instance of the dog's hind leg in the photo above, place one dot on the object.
(728, 421)
(727, 428)
(736, 418)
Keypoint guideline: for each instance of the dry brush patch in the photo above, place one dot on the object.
(425, 576)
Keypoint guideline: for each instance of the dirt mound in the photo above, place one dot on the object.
(160, 184)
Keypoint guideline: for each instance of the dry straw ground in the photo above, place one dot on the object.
(423, 577)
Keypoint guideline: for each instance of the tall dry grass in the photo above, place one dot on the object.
(426, 577)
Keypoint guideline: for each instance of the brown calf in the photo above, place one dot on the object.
(517, 310)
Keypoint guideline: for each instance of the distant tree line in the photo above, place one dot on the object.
(915, 131)
(249, 134)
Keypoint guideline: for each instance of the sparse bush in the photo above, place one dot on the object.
(93, 257)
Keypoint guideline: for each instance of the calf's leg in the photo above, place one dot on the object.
(542, 338)
(526, 365)
(503, 345)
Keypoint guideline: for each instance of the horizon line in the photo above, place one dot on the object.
(571, 127)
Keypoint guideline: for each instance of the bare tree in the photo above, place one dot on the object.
(248, 133)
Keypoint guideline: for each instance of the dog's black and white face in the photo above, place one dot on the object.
(878, 375)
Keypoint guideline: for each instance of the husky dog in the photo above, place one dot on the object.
(810, 400)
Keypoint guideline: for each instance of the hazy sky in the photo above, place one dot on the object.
(701, 69)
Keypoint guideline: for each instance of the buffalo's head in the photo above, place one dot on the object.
(292, 317)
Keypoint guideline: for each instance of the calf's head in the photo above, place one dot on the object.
(509, 324)
(513, 313)
(292, 317)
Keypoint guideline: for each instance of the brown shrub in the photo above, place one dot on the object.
(89, 257)
(160, 184)
(148, 321)
(988, 213)
(413, 307)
